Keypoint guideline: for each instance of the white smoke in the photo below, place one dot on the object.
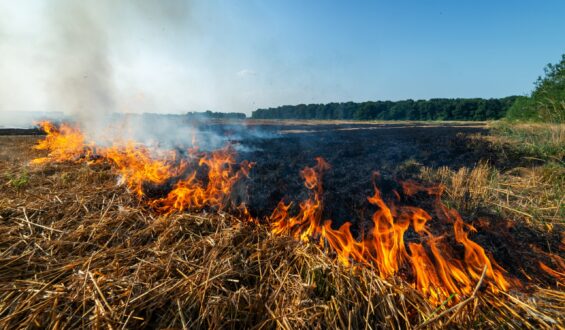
(82, 79)
(90, 59)
(60, 55)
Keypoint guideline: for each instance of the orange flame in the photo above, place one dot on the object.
(434, 266)
(306, 224)
(64, 143)
(137, 166)
(191, 193)
(558, 269)
(559, 275)
(437, 270)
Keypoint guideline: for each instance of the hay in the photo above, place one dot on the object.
(77, 251)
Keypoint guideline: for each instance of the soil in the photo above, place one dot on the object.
(21, 131)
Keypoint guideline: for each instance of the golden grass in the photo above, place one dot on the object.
(534, 193)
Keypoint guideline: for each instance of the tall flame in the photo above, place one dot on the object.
(136, 165)
(190, 193)
(64, 143)
(437, 269)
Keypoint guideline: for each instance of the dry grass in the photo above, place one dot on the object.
(77, 251)
(535, 195)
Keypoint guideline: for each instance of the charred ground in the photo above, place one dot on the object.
(396, 152)
(355, 152)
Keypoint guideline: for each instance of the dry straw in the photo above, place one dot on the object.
(78, 252)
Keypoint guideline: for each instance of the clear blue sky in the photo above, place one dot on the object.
(363, 50)
(241, 55)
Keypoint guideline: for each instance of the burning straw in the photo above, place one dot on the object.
(79, 251)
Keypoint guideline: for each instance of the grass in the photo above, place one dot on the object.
(539, 140)
(89, 255)
(18, 180)
(534, 195)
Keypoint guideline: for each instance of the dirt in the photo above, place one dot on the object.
(20, 131)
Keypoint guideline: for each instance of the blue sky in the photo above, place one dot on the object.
(241, 55)
(404, 49)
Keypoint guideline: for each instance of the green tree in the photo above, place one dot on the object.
(547, 101)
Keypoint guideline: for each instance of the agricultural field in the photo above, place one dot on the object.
(282, 165)
(295, 224)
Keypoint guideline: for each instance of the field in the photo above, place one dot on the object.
(80, 250)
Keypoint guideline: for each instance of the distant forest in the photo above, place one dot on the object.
(216, 115)
(433, 109)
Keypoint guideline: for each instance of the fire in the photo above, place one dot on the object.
(557, 270)
(64, 143)
(559, 275)
(306, 224)
(438, 271)
(199, 180)
(136, 165)
(190, 193)
(400, 241)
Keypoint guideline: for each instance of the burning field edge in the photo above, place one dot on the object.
(79, 251)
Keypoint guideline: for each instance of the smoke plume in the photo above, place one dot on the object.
(82, 80)
(60, 55)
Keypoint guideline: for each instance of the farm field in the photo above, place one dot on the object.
(282, 165)
(81, 247)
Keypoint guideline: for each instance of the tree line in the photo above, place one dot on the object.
(433, 109)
